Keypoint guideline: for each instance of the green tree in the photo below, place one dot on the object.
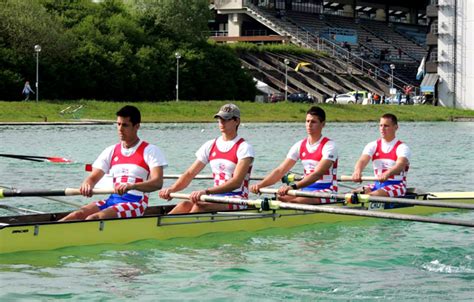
(184, 20)
(116, 50)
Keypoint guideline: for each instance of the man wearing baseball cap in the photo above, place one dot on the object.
(230, 158)
(228, 111)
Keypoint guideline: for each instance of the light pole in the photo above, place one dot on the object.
(392, 67)
(178, 56)
(286, 61)
(37, 50)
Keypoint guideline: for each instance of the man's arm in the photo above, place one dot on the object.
(320, 170)
(399, 166)
(184, 180)
(274, 176)
(359, 167)
(234, 183)
(89, 183)
(153, 183)
(237, 179)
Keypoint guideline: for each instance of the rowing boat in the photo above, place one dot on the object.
(44, 232)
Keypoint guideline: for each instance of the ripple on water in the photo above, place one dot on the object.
(377, 260)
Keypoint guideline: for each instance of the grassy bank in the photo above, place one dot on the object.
(204, 111)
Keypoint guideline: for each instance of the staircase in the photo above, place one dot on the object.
(308, 39)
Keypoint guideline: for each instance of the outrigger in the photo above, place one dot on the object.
(44, 232)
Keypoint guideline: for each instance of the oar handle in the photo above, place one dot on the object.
(363, 178)
(102, 191)
(37, 193)
(180, 195)
(288, 178)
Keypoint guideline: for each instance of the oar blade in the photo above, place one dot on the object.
(58, 160)
(38, 158)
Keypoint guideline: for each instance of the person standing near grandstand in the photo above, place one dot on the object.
(376, 98)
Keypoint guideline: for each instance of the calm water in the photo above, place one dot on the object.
(364, 261)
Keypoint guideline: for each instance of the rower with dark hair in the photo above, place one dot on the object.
(136, 167)
(390, 158)
(317, 153)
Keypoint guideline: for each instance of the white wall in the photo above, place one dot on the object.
(228, 4)
(456, 56)
(466, 55)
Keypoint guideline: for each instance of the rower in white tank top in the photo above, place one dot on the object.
(230, 158)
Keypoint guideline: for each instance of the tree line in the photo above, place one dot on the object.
(121, 50)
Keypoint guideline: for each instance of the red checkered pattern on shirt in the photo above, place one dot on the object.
(228, 161)
(383, 161)
(126, 180)
(220, 179)
(311, 160)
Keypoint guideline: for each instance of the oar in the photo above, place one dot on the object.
(66, 192)
(38, 158)
(19, 210)
(267, 204)
(71, 203)
(287, 178)
(368, 198)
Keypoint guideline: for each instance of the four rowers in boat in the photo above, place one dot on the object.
(231, 159)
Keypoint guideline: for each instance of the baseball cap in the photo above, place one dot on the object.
(228, 111)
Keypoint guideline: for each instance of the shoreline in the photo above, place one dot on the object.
(78, 123)
(110, 122)
(100, 112)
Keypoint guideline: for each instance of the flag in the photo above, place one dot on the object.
(421, 69)
(301, 64)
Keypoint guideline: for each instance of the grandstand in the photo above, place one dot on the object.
(373, 45)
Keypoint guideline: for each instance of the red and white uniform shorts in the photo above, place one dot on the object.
(393, 189)
(126, 205)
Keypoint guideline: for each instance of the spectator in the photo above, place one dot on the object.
(376, 98)
(26, 90)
